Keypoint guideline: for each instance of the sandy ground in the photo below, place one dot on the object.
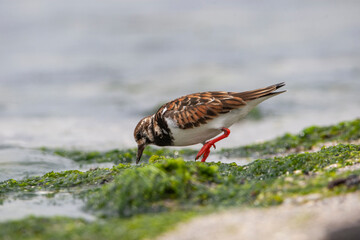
(331, 218)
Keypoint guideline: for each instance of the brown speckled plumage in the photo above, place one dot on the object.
(199, 108)
(195, 109)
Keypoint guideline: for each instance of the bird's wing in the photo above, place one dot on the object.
(195, 109)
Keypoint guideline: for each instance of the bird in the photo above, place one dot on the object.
(198, 117)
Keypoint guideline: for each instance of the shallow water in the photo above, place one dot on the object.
(76, 77)
(18, 163)
(63, 204)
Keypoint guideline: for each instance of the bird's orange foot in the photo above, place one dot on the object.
(205, 151)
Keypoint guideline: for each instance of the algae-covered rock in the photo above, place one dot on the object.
(144, 189)
(118, 156)
(305, 140)
(63, 228)
(168, 189)
(174, 183)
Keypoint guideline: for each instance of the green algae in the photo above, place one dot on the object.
(165, 184)
(309, 137)
(174, 183)
(118, 156)
(141, 201)
(139, 190)
(63, 228)
(54, 181)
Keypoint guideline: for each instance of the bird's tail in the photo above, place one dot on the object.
(261, 92)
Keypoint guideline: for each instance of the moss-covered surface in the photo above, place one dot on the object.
(66, 180)
(305, 140)
(175, 184)
(119, 156)
(63, 228)
(141, 201)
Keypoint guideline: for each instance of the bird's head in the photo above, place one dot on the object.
(143, 135)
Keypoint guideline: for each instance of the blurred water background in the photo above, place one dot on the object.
(80, 74)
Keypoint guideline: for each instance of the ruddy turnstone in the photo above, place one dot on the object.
(198, 117)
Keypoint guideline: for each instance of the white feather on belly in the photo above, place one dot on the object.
(191, 136)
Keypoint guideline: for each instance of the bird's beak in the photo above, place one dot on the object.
(141, 148)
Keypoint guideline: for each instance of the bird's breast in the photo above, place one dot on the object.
(191, 136)
(202, 133)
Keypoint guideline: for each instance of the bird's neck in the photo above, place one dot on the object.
(161, 132)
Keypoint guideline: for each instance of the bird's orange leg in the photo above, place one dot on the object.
(205, 150)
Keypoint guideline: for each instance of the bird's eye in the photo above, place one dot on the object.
(138, 136)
